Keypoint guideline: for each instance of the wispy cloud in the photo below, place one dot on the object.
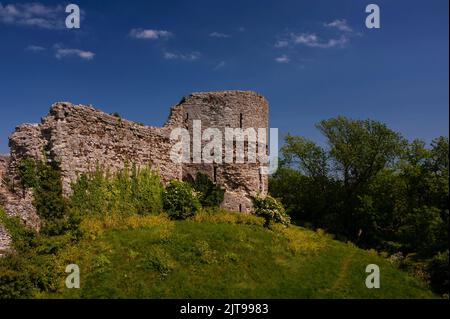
(281, 43)
(33, 15)
(282, 59)
(150, 34)
(220, 65)
(341, 25)
(182, 56)
(313, 41)
(35, 48)
(61, 52)
(219, 35)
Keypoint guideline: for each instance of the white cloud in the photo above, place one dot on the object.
(68, 53)
(331, 43)
(281, 43)
(282, 59)
(308, 39)
(220, 65)
(219, 35)
(170, 55)
(150, 34)
(33, 15)
(182, 56)
(35, 48)
(313, 41)
(341, 25)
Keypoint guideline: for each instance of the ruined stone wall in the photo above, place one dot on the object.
(233, 109)
(81, 138)
(4, 160)
(5, 239)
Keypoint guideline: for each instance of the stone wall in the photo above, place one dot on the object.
(5, 239)
(4, 161)
(80, 138)
(232, 109)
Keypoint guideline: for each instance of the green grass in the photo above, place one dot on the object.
(226, 257)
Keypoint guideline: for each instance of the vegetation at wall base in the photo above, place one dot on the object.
(210, 194)
(271, 210)
(180, 200)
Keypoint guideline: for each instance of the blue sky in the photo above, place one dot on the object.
(311, 59)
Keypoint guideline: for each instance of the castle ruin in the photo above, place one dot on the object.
(80, 138)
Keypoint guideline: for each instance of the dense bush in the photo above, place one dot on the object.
(23, 238)
(210, 194)
(27, 268)
(127, 192)
(44, 178)
(180, 200)
(15, 279)
(27, 172)
(439, 272)
(50, 204)
(271, 210)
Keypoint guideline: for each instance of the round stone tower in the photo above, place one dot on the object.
(225, 110)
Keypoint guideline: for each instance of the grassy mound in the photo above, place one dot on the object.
(225, 255)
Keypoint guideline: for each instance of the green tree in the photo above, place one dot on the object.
(360, 149)
(309, 158)
(303, 182)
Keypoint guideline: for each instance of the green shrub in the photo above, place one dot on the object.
(438, 269)
(27, 172)
(90, 194)
(147, 191)
(15, 279)
(27, 268)
(210, 194)
(180, 200)
(23, 238)
(50, 204)
(271, 210)
(126, 192)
